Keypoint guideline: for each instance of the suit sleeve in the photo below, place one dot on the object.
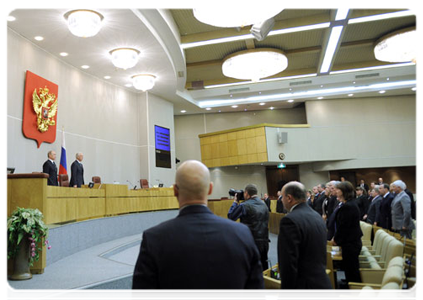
(255, 278)
(145, 273)
(342, 225)
(288, 250)
(74, 170)
(406, 208)
(235, 211)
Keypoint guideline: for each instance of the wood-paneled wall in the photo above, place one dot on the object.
(234, 147)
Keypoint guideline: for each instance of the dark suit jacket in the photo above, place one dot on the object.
(50, 169)
(302, 250)
(318, 203)
(279, 205)
(348, 231)
(384, 219)
(77, 174)
(267, 201)
(198, 250)
(374, 210)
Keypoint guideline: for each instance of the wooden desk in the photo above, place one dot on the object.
(64, 204)
(220, 207)
(274, 222)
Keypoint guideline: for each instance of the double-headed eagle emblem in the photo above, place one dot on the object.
(45, 107)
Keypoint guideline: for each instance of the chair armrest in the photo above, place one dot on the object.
(359, 286)
(374, 276)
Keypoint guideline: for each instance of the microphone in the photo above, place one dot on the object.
(134, 186)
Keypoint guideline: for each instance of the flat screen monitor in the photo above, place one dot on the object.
(162, 143)
(10, 170)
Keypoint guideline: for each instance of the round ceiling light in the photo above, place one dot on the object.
(143, 82)
(398, 46)
(254, 64)
(124, 58)
(83, 22)
(236, 16)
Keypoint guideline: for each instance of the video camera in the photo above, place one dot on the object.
(240, 193)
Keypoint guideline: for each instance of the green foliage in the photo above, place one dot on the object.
(26, 223)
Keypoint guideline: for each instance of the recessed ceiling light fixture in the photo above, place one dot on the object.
(236, 15)
(234, 106)
(124, 58)
(85, 67)
(330, 48)
(128, 85)
(398, 14)
(83, 22)
(64, 54)
(38, 38)
(320, 98)
(183, 111)
(291, 100)
(208, 108)
(311, 93)
(414, 89)
(254, 64)
(382, 92)
(398, 46)
(271, 108)
(143, 82)
(250, 36)
(11, 18)
(350, 95)
(262, 103)
(107, 77)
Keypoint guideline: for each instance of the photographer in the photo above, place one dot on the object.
(254, 213)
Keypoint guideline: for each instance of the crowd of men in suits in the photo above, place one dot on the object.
(390, 206)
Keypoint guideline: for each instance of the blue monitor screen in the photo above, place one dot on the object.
(162, 138)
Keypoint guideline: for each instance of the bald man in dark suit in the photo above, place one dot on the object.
(197, 249)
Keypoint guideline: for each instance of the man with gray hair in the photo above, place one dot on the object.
(401, 210)
(301, 243)
(254, 213)
(197, 249)
(77, 171)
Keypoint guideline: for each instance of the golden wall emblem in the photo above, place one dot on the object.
(45, 107)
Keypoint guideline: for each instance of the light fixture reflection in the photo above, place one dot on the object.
(84, 23)
(143, 82)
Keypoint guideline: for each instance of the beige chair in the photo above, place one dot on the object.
(391, 248)
(388, 289)
(366, 228)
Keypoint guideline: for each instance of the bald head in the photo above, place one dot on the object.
(293, 193)
(192, 183)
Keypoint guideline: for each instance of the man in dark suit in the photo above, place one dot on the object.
(267, 201)
(384, 219)
(197, 249)
(301, 243)
(364, 185)
(77, 171)
(50, 168)
(318, 203)
(374, 207)
(279, 204)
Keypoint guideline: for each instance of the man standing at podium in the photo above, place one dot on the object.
(77, 171)
(197, 249)
(50, 168)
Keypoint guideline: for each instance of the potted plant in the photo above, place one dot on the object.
(26, 232)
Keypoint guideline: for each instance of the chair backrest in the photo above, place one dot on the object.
(96, 179)
(389, 291)
(144, 183)
(383, 239)
(396, 248)
(64, 180)
(366, 228)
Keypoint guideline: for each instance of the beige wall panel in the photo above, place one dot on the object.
(259, 131)
(223, 150)
(241, 134)
(251, 145)
(262, 157)
(232, 148)
(231, 136)
(261, 143)
(233, 160)
(243, 159)
(206, 154)
(249, 133)
(252, 158)
(223, 137)
(241, 145)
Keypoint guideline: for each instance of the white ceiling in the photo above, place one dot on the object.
(145, 30)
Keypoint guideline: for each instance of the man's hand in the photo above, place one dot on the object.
(236, 198)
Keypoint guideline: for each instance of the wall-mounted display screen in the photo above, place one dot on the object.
(162, 142)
